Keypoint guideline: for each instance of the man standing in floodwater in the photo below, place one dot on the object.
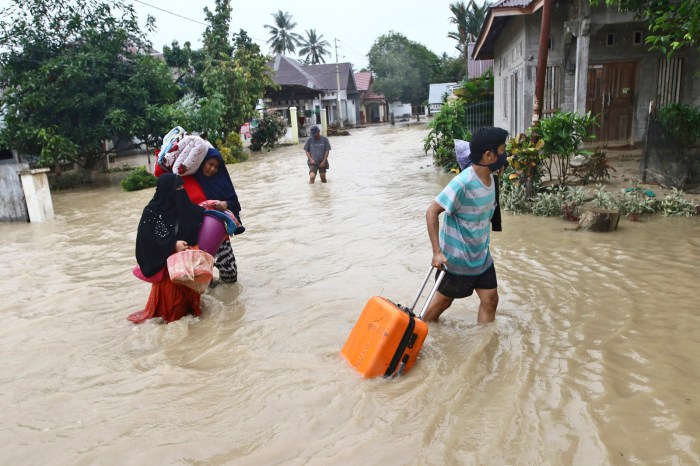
(469, 201)
(317, 148)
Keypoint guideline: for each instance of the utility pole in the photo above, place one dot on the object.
(542, 64)
(337, 79)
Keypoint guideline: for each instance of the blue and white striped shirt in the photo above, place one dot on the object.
(466, 228)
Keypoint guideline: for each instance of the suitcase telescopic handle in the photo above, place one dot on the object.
(440, 276)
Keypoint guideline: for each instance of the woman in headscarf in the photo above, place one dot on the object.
(212, 176)
(169, 223)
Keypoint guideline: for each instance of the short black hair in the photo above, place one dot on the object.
(487, 138)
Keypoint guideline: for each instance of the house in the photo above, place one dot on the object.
(597, 62)
(312, 87)
(338, 84)
(436, 92)
(373, 107)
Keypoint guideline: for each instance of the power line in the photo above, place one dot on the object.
(189, 19)
(170, 12)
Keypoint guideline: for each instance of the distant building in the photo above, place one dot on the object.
(436, 92)
(312, 87)
(373, 106)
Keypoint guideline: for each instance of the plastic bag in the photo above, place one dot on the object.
(192, 268)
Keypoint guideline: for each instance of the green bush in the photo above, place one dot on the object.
(447, 125)
(514, 199)
(603, 199)
(676, 205)
(595, 169)
(271, 128)
(232, 150)
(138, 179)
(563, 134)
(635, 202)
(525, 163)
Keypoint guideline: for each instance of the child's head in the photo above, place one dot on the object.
(487, 139)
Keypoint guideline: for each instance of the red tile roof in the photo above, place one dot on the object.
(363, 79)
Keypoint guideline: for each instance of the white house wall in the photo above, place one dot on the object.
(400, 109)
(511, 71)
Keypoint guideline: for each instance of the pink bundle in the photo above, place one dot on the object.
(192, 268)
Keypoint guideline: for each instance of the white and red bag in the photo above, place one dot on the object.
(192, 268)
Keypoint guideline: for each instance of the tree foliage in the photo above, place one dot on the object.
(403, 68)
(223, 81)
(314, 48)
(468, 18)
(282, 39)
(673, 24)
(75, 75)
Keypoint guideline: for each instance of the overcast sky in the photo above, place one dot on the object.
(356, 24)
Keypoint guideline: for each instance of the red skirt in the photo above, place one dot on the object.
(169, 301)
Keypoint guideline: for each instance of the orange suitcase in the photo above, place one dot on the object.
(387, 337)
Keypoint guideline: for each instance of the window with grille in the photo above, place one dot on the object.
(551, 90)
(669, 81)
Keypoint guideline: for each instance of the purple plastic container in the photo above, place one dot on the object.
(211, 234)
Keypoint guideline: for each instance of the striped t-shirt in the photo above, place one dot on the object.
(466, 228)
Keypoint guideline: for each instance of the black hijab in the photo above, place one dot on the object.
(168, 218)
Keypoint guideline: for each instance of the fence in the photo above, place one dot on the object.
(479, 114)
(667, 161)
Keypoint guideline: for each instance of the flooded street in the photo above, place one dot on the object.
(594, 357)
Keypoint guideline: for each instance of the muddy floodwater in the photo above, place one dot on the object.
(594, 357)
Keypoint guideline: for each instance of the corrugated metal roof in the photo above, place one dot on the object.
(511, 4)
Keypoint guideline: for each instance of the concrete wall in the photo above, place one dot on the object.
(13, 206)
(517, 48)
(400, 109)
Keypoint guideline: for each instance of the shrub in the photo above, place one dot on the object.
(525, 163)
(675, 204)
(563, 134)
(635, 203)
(447, 125)
(232, 150)
(514, 199)
(138, 179)
(596, 168)
(271, 128)
(603, 199)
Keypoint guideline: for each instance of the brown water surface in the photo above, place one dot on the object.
(594, 357)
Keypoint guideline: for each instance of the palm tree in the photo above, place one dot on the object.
(282, 39)
(468, 19)
(314, 48)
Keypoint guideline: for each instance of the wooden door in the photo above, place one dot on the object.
(610, 94)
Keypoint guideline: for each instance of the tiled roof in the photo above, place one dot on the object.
(363, 79)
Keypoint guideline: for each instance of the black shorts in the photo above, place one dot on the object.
(315, 168)
(461, 286)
